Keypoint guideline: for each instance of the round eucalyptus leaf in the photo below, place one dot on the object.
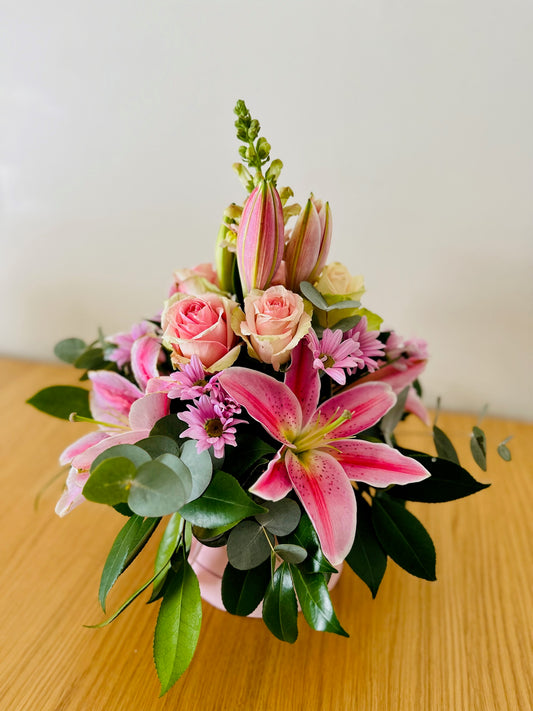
(248, 545)
(136, 455)
(291, 553)
(200, 466)
(156, 491)
(281, 518)
(180, 469)
(159, 444)
(110, 481)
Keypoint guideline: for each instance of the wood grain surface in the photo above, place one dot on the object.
(464, 642)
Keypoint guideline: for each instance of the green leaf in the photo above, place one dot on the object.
(503, 450)
(367, 558)
(249, 451)
(306, 537)
(180, 469)
(447, 482)
(443, 445)
(291, 553)
(478, 446)
(223, 504)
(248, 546)
(314, 599)
(281, 518)
(61, 401)
(167, 546)
(178, 626)
(169, 426)
(136, 455)
(91, 359)
(69, 349)
(346, 324)
(280, 611)
(200, 466)
(156, 490)
(156, 445)
(313, 295)
(110, 482)
(243, 590)
(404, 538)
(127, 545)
(394, 415)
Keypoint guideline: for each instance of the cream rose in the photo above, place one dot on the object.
(200, 325)
(337, 284)
(272, 324)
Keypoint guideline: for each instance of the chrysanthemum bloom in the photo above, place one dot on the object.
(334, 355)
(210, 424)
(369, 345)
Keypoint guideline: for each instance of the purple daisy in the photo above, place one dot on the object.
(369, 344)
(210, 425)
(333, 355)
(190, 382)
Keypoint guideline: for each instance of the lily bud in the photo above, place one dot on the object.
(324, 214)
(224, 260)
(303, 249)
(260, 238)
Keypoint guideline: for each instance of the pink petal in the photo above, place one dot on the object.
(80, 445)
(112, 396)
(376, 464)
(146, 411)
(415, 405)
(72, 495)
(367, 403)
(274, 483)
(397, 375)
(144, 356)
(303, 379)
(84, 460)
(328, 497)
(267, 400)
(161, 384)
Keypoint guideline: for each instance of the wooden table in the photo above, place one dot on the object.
(461, 643)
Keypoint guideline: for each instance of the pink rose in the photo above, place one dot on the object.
(200, 325)
(272, 323)
(198, 280)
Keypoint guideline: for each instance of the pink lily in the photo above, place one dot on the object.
(318, 455)
(125, 416)
(142, 347)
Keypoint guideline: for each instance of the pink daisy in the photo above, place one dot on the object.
(210, 425)
(125, 340)
(332, 355)
(370, 345)
(190, 382)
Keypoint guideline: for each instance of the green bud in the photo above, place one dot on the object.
(224, 261)
(263, 148)
(274, 170)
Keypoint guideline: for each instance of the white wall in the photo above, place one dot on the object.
(413, 117)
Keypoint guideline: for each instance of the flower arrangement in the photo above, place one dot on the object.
(256, 415)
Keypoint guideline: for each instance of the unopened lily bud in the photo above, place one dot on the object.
(324, 214)
(260, 238)
(224, 261)
(302, 251)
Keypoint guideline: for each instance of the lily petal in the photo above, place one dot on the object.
(327, 496)
(367, 403)
(415, 405)
(72, 495)
(146, 411)
(112, 396)
(303, 379)
(83, 461)
(144, 356)
(80, 445)
(397, 375)
(376, 464)
(267, 400)
(274, 483)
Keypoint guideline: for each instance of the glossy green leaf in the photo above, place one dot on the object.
(136, 455)
(127, 545)
(443, 445)
(243, 590)
(200, 466)
(367, 558)
(404, 538)
(91, 359)
(156, 445)
(169, 426)
(156, 490)
(306, 537)
(281, 518)
(167, 546)
(314, 599)
(291, 553)
(223, 504)
(280, 611)
(478, 446)
(61, 401)
(69, 349)
(248, 545)
(447, 482)
(178, 626)
(110, 482)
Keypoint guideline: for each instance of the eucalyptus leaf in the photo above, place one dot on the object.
(346, 324)
(223, 504)
(127, 545)
(136, 455)
(291, 553)
(478, 446)
(504, 451)
(243, 590)
(404, 538)
(313, 295)
(156, 445)
(110, 482)
(200, 466)
(314, 599)
(69, 349)
(280, 611)
(180, 469)
(248, 545)
(61, 401)
(367, 558)
(169, 426)
(178, 626)
(156, 490)
(282, 517)
(443, 445)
